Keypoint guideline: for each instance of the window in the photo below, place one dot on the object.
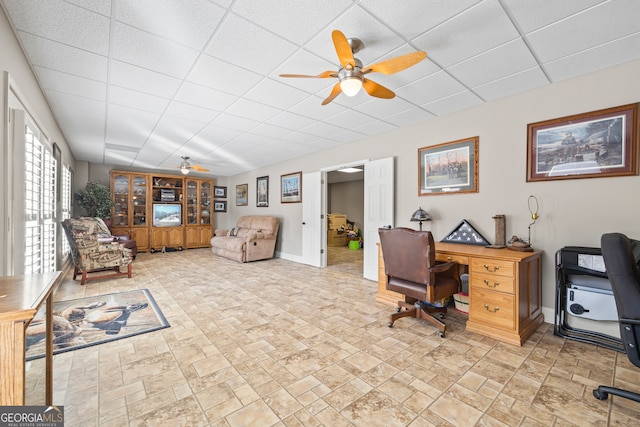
(65, 202)
(40, 204)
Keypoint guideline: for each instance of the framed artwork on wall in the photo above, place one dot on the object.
(220, 206)
(262, 191)
(448, 168)
(242, 195)
(291, 188)
(219, 192)
(597, 144)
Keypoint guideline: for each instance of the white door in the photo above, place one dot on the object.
(311, 219)
(379, 206)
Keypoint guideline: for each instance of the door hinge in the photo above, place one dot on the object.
(321, 216)
(321, 251)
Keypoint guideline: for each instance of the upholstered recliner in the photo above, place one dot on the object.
(93, 249)
(253, 239)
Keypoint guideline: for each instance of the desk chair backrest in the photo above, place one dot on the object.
(408, 254)
(624, 276)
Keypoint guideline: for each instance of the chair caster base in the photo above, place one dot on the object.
(441, 334)
(600, 394)
(390, 324)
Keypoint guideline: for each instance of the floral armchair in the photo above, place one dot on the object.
(93, 249)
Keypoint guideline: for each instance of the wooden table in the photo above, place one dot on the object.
(20, 299)
(505, 301)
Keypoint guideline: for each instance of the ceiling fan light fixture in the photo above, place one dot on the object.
(351, 85)
(184, 169)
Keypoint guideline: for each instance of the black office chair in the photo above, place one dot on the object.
(624, 276)
(411, 269)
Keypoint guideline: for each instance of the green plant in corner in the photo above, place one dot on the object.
(95, 199)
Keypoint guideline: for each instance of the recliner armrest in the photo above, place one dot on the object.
(220, 232)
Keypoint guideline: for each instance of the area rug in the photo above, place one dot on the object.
(95, 320)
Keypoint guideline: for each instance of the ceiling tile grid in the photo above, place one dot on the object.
(201, 78)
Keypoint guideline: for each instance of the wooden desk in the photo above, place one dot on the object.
(505, 300)
(20, 299)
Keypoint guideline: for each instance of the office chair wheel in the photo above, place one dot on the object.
(600, 394)
(442, 315)
(390, 324)
(441, 334)
(398, 310)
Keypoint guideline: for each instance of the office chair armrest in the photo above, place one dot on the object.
(445, 266)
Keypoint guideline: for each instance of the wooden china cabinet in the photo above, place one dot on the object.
(199, 227)
(162, 211)
(130, 212)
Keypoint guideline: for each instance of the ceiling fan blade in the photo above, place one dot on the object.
(334, 92)
(393, 65)
(322, 75)
(343, 49)
(199, 168)
(377, 90)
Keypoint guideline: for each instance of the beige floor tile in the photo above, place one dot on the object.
(284, 344)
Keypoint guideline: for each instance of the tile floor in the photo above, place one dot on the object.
(276, 343)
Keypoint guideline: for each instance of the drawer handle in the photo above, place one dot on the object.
(448, 258)
(486, 282)
(496, 308)
(495, 268)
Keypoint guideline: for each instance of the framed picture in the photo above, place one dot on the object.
(242, 195)
(590, 145)
(291, 188)
(220, 206)
(219, 192)
(448, 168)
(262, 191)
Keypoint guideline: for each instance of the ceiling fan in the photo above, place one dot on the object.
(185, 166)
(351, 75)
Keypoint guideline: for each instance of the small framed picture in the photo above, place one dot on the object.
(291, 188)
(262, 192)
(219, 192)
(220, 206)
(242, 195)
(448, 168)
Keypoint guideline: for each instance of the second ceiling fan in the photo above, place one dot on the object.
(351, 75)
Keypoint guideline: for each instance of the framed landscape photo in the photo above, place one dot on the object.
(242, 195)
(219, 192)
(597, 144)
(262, 191)
(448, 168)
(220, 206)
(291, 188)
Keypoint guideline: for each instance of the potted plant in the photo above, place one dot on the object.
(95, 199)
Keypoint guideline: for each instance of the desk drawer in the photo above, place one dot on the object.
(493, 266)
(452, 258)
(493, 282)
(492, 308)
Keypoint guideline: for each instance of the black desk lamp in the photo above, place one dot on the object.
(419, 216)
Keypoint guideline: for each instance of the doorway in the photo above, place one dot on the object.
(345, 207)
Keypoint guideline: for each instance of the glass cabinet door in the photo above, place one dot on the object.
(205, 202)
(139, 201)
(120, 201)
(192, 202)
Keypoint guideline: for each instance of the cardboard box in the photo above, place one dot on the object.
(336, 239)
(336, 221)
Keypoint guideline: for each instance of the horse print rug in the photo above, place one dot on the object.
(95, 320)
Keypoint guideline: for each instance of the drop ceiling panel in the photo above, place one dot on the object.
(270, 131)
(409, 117)
(349, 119)
(601, 24)
(379, 110)
(152, 52)
(429, 89)
(532, 15)
(494, 64)
(142, 80)
(374, 128)
(290, 120)
(295, 20)
(510, 85)
(287, 95)
(191, 112)
(189, 25)
(217, 135)
(66, 59)
(217, 74)
(456, 102)
(137, 100)
(234, 122)
(476, 30)
(128, 126)
(82, 115)
(61, 82)
(243, 43)
(405, 19)
(252, 110)
(175, 129)
(63, 22)
(203, 97)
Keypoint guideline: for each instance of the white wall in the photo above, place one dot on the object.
(348, 198)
